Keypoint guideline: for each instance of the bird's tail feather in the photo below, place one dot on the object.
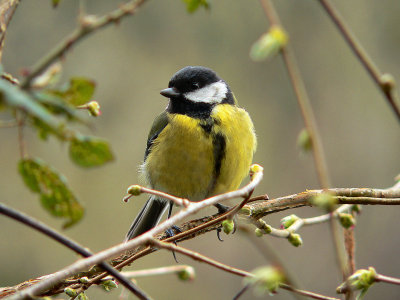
(148, 217)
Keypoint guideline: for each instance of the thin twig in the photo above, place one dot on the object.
(302, 99)
(306, 293)
(34, 224)
(158, 271)
(199, 257)
(269, 253)
(387, 279)
(176, 200)
(87, 25)
(386, 87)
(20, 116)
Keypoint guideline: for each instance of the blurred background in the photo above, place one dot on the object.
(132, 61)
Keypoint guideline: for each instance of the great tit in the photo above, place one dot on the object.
(200, 146)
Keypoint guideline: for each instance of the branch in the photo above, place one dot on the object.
(34, 224)
(362, 196)
(88, 24)
(384, 81)
(143, 239)
(194, 228)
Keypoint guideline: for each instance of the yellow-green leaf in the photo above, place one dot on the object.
(89, 151)
(79, 91)
(55, 195)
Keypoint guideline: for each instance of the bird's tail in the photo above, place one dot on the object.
(148, 217)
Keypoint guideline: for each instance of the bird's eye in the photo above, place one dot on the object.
(195, 85)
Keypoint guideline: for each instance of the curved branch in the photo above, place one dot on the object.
(34, 224)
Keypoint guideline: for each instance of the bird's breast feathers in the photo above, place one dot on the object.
(194, 158)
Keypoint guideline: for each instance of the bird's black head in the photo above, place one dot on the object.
(194, 91)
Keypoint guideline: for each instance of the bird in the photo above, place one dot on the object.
(200, 146)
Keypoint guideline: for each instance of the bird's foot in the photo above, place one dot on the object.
(170, 232)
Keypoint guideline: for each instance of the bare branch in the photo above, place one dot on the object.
(302, 99)
(88, 25)
(384, 81)
(34, 224)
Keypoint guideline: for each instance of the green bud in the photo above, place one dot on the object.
(387, 82)
(93, 108)
(258, 232)
(84, 280)
(347, 220)
(246, 210)
(324, 200)
(70, 292)
(356, 208)
(228, 226)
(267, 229)
(256, 168)
(134, 190)
(187, 274)
(266, 279)
(304, 141)
(108, 285)
(295, 239)
(362, 279)
(269, 44)
(83, 296)
(288, 221)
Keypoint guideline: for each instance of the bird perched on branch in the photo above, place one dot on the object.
(200, 146)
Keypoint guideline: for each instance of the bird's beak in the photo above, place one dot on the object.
(170, 92)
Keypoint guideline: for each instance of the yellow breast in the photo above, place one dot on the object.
(236, 126)
(182, 158)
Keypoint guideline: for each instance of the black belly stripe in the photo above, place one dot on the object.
(219, 148)
(219, 153)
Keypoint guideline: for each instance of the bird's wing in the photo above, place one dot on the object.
(160, 122)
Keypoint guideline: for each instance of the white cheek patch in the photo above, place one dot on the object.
(213, 93)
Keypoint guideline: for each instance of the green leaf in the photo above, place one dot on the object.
(79, 91)
(57, 105)
(193, 5)
(89, 151)
(13, 96)
(55, 195)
